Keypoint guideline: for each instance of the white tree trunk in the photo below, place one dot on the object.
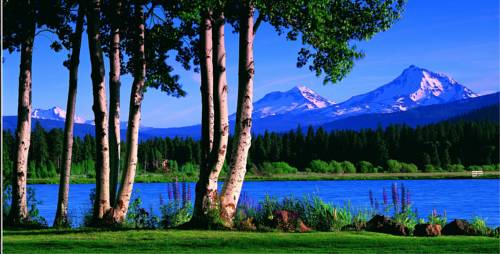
(136, 97)
(221, 128)
(61, 219)
(207, 115)
(102, 204)
(114, 104)
(242, 140)
(19, 209)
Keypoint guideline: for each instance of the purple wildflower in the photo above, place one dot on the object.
(395, 197)
(408, 199)
(370, 194)
(170, 191)
(403, 197)
(384, 196)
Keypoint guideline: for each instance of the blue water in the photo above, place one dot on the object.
(460, 198)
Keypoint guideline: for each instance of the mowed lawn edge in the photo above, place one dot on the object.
(194, 241)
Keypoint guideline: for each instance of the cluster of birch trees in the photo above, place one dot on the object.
(139, 37)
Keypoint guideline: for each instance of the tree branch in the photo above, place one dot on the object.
(259, 20)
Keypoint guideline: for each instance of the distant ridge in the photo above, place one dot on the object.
(416, 97)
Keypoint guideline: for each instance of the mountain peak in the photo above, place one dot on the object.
(299, 98)
(55, 113)
(415, 86)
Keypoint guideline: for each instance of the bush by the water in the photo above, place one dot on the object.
(271, 168)
(35, 220)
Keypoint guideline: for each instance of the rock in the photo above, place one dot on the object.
(459, 227)
(289, 222)
(302, 227)
(427, 230)
(383, 224)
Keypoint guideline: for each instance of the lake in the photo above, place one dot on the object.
(460, 198)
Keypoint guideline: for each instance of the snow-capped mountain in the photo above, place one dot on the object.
(417, 96)
(414, 87)
(297, 99)
(54, 113)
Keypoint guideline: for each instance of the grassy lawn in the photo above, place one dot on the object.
(170, 241)
(159, 178)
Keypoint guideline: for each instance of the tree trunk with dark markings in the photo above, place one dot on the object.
(61, 219)
(242, 140)
(136, 97)
(101, 204)
(114, 103)
(19, 209)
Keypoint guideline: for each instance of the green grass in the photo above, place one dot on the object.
(177, 241)
(158, 178)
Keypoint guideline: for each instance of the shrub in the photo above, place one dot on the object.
(490, 167)
(366, 167)
(429, 168)
(479, 225)
(474, 168)
(348, 167)
(437, 219)
(190, 169)
(138, 217)
(407, 218)
(270, 168)
(34, 219)
(336, 167)
(455, 168)
(319, 166)
(393, 166)
(409, 168)
(178, 209)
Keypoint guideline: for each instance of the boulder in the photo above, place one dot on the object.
(427, 230)
(383, 224)
(285, 220)
(459, 227)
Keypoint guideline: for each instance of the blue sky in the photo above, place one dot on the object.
(459, 38)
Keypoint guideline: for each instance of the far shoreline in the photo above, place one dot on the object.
(302, 176)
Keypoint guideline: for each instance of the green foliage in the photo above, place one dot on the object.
(293, 147)
(429, 168)
(348, 167)
(336, 167)
(311, 210)
(455, 168)
(408, 218)
(319, 166)
(138, 217)
(409, 168)
(393, 166)
(479, 225)
(174, 214)
(34, 218)
(190, 169)
(366, 167)
(437, 219)
(271, 168)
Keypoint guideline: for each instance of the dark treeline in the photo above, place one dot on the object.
(464, 142)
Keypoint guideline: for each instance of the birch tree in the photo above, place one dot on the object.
(327, 30)
(23, 20)
(102, 200)
(61, 219)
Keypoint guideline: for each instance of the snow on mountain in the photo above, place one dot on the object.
(297, 99)
(54, 113)
(414, 87)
